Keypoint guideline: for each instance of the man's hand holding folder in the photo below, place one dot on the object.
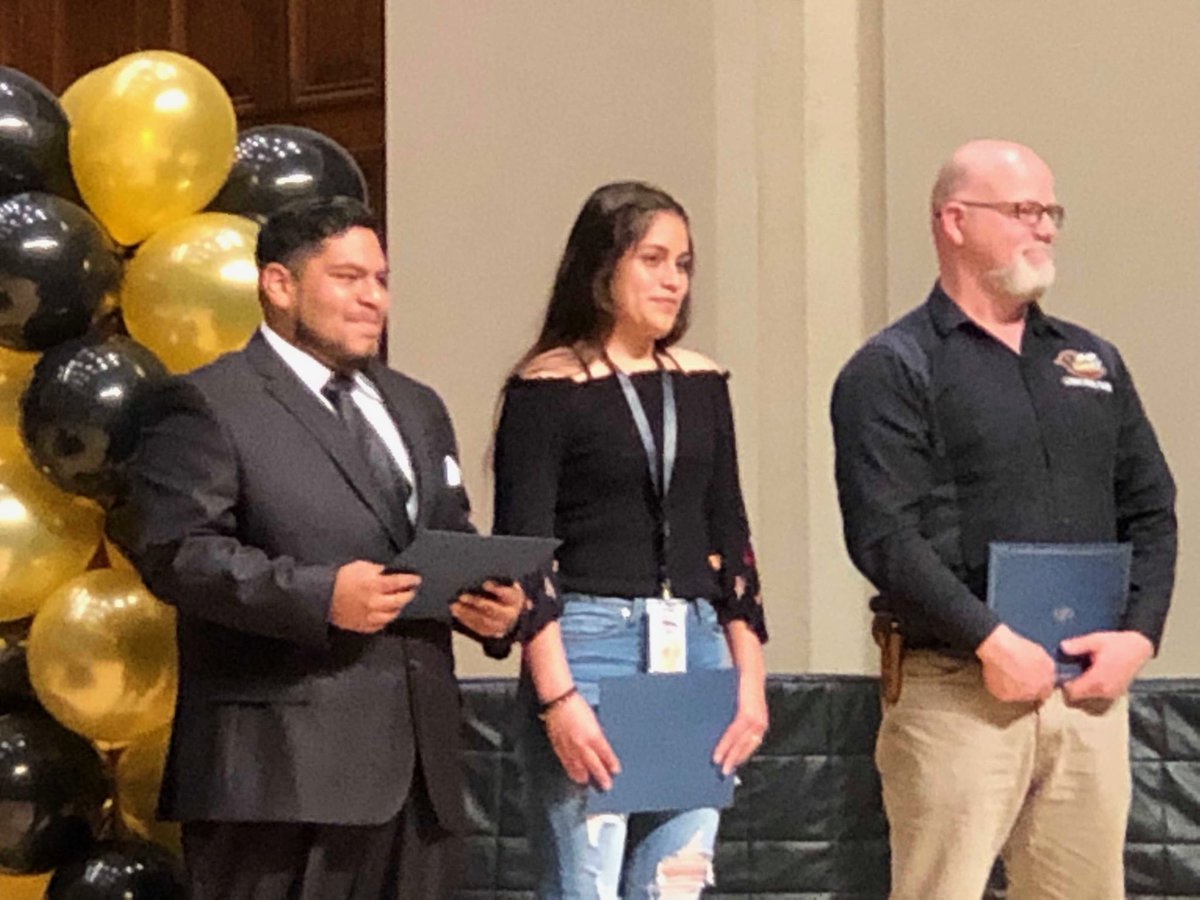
(1116, 658)
(1066, 604)
(1018, 670)
(490, 612)
(1015, 669)
(366, 598)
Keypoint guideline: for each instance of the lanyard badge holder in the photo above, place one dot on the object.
(666, 649)
(666, 615)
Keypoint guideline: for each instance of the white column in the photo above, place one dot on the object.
(800, 283)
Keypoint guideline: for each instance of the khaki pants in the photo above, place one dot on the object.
(967, 778)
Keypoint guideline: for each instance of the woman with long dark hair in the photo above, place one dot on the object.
(620, 443)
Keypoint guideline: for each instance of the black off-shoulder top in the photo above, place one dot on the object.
(569, 464)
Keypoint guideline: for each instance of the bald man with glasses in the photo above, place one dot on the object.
(978, 418)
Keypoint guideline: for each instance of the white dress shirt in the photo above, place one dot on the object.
(314, 374)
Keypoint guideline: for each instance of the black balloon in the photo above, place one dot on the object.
(33, 138)
(56, 264)
(80, 415)
(276, 164)
(15, 690)
(120, 870)
(52, 793)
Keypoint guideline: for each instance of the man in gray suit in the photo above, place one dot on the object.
(314, 749)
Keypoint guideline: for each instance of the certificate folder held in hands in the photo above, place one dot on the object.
(1051, 592)
(664, 729)
(450, 562)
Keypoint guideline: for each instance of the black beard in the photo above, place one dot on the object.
(327, 351)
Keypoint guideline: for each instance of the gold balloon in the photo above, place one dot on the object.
(102, 657)
(16, 360)
(79, 93)
(191, 291)
(46, 537)
(151, 141)
(24, 887)
(139, 775)
(15, 369)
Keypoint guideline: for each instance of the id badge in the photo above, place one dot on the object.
(667, 651)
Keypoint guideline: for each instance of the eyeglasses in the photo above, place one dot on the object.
(1028, 211)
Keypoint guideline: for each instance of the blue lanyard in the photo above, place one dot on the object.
(670, 441)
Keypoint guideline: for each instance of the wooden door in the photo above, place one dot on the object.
(296, 62)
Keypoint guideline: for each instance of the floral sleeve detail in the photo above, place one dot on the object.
(732, 556)
(740, 591)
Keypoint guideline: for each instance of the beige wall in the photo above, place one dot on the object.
(802, 136)
(502, 118)
(1105, 92)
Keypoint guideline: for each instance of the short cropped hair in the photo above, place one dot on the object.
(298, 229)
(950, 179)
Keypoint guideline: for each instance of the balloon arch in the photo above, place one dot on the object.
(129, 210)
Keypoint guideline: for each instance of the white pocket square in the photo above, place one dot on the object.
(453, 473)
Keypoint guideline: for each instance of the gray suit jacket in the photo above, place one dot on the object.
(244, 499)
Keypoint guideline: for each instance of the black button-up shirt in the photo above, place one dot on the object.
(947, 440)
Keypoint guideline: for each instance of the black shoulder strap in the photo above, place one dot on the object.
(915, 359)
(905, 342)
(909, 349)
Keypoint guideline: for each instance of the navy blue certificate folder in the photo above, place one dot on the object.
(450, 562)
(1051, 592)
(664, 729)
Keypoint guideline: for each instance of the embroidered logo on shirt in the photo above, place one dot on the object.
(1084, 369)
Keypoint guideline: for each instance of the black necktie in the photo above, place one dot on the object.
(387, 474)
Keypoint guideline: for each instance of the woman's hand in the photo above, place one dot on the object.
(579, 743)
(745, 733)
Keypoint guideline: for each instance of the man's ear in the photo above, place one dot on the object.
(948, 221)
(277, 286)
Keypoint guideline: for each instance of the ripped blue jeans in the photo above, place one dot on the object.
(609, 856)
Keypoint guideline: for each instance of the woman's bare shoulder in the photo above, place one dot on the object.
(694, 361)
(557, 363)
